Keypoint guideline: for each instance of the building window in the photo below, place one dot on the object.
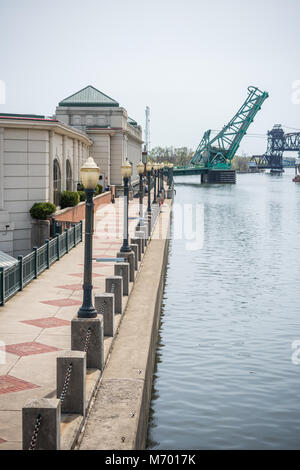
(69, 181)
(56, 182)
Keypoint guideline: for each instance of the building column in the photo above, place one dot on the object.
(1, 169)
(108, 160)
(78, 160)
(6, 227)
(51, 159)
(64, 160)
(74, 179)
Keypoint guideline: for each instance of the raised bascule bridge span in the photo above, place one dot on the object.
(213, 157)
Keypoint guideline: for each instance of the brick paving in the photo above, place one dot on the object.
(35, 323)
(9, 384)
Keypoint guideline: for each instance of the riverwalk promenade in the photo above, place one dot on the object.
(35, 325)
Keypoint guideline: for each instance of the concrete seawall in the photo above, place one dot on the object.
(118, 418)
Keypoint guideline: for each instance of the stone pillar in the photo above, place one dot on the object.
(114, 285)
(1, 169)
(105, 306)
(73, 362)
(141, 236)
(92, 328)
(137, 241)
(63, 165)
(78, 159)
(48, 437)
(130, 256)
(135, 249)
(74, 179)
(51, 159)
(122, 269)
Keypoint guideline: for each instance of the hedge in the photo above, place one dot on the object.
(42, 210)
(69, 199)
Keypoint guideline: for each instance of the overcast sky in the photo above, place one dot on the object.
(190, 61)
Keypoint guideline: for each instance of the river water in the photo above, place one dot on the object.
(227, 376)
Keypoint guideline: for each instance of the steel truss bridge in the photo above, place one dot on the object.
(215, 154)
(278, 143)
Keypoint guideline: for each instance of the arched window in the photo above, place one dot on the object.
(69, 181)
(56, 182)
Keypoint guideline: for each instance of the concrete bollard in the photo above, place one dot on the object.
(141, 235)
(122, 269)
(105, 305)
(71, 364)
(135, 249)
(87, 334)
(137, 241)
(130, 257)
(145, 228)
(169, 193)
(114, 284)
(41, 424)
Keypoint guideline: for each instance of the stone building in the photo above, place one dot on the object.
(115, 136)
(40, 157)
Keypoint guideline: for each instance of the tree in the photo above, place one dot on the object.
(178, 156)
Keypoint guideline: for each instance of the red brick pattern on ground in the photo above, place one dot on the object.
(10, 384)
(61, 302)
(2, 440)
(28, 349)
(49, 322)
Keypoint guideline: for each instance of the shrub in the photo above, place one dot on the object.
(42, 210)
(99, 189)
(69, 199)
(82, 195)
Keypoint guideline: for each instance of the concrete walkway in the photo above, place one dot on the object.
(35, 323)
(118, 418)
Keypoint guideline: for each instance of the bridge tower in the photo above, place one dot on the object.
(278, 143)
(214, 155)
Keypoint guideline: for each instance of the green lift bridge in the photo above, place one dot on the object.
(213, 156)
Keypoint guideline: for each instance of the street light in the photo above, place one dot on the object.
(140, 169)
(170, 174)
(162, 178)
(126, 171)
(159, 179)
(155, 168)
(89, 173)
(165, 168)
(149, 169)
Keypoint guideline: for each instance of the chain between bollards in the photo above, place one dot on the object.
(66, 383)
(35, 433)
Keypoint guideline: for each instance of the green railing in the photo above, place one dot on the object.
(29, 267)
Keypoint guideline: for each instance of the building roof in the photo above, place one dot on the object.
(6, 260)
(23, 117)
(132, 121)
(88, 96)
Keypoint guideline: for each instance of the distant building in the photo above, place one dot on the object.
(40, 157)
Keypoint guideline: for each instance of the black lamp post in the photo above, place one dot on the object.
(155, 168)
(170, 168)
(89, 176)
(126, 171)
(149, 169)
(140, 169)
(161, 169)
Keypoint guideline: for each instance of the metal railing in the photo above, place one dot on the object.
(29, 267)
